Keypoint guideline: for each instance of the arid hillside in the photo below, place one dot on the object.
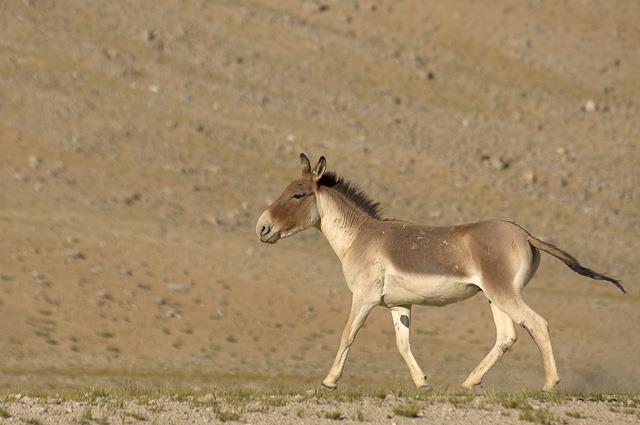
(140, 141)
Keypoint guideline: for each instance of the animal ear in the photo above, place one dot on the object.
(319, 169)
(305, 164)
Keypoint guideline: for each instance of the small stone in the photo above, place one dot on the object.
(131, 198)
(75, 254)
(154, 89)
(499, 163)
(148, 35)
(179, 287)
(590, 106)
(529, 177)
(34, 162)
(172, 314)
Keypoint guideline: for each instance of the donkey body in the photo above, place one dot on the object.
(398, 264)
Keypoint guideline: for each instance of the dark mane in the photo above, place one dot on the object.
(353, 192)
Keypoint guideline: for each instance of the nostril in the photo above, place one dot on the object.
(265, 229)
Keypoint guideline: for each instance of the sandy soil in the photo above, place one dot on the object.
(140, 141)
(317, 409)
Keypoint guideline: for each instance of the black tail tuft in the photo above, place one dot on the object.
(594, 275)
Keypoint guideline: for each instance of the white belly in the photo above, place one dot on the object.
(434, 290)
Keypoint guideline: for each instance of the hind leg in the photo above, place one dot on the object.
(505, 337)
(538, 328)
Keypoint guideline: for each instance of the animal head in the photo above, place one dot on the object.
(295, 209)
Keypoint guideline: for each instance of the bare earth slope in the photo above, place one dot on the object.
(139, 142)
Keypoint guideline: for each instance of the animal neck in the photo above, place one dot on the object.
(340, 221)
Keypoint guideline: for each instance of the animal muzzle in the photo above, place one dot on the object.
(265, 229)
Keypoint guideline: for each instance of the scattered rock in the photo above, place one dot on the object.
(148, 35)
(317, 7)
(529, 177)
(179, 287)
(131, 198)
(589, 106)
(20, 177)
(75, 254)
(34, 162)
(496, 162)
(172, 314)
(103, 296)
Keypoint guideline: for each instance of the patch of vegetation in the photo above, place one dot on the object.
(98, 392)
(137, 416)
(573, 414)
(276, 401)
(102, 420)
(227, 415)
(32, 421)
(540, 416)
(407, 410)
(4, 413)
(334, 415)
(86, 417)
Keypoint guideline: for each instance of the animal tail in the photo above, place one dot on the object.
(570, 261)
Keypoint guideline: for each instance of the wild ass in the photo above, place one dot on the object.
(397, 264)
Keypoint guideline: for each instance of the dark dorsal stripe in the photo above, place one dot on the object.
(352, 192)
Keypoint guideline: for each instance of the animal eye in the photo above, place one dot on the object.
(297, 195)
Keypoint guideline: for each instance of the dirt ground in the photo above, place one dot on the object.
(140, 141)
(103, 407)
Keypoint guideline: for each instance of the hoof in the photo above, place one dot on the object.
(425, 388)
(469, 385)
(551, 386)
(329, 388)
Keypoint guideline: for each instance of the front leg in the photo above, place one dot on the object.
(402, 324)
(360, 309)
